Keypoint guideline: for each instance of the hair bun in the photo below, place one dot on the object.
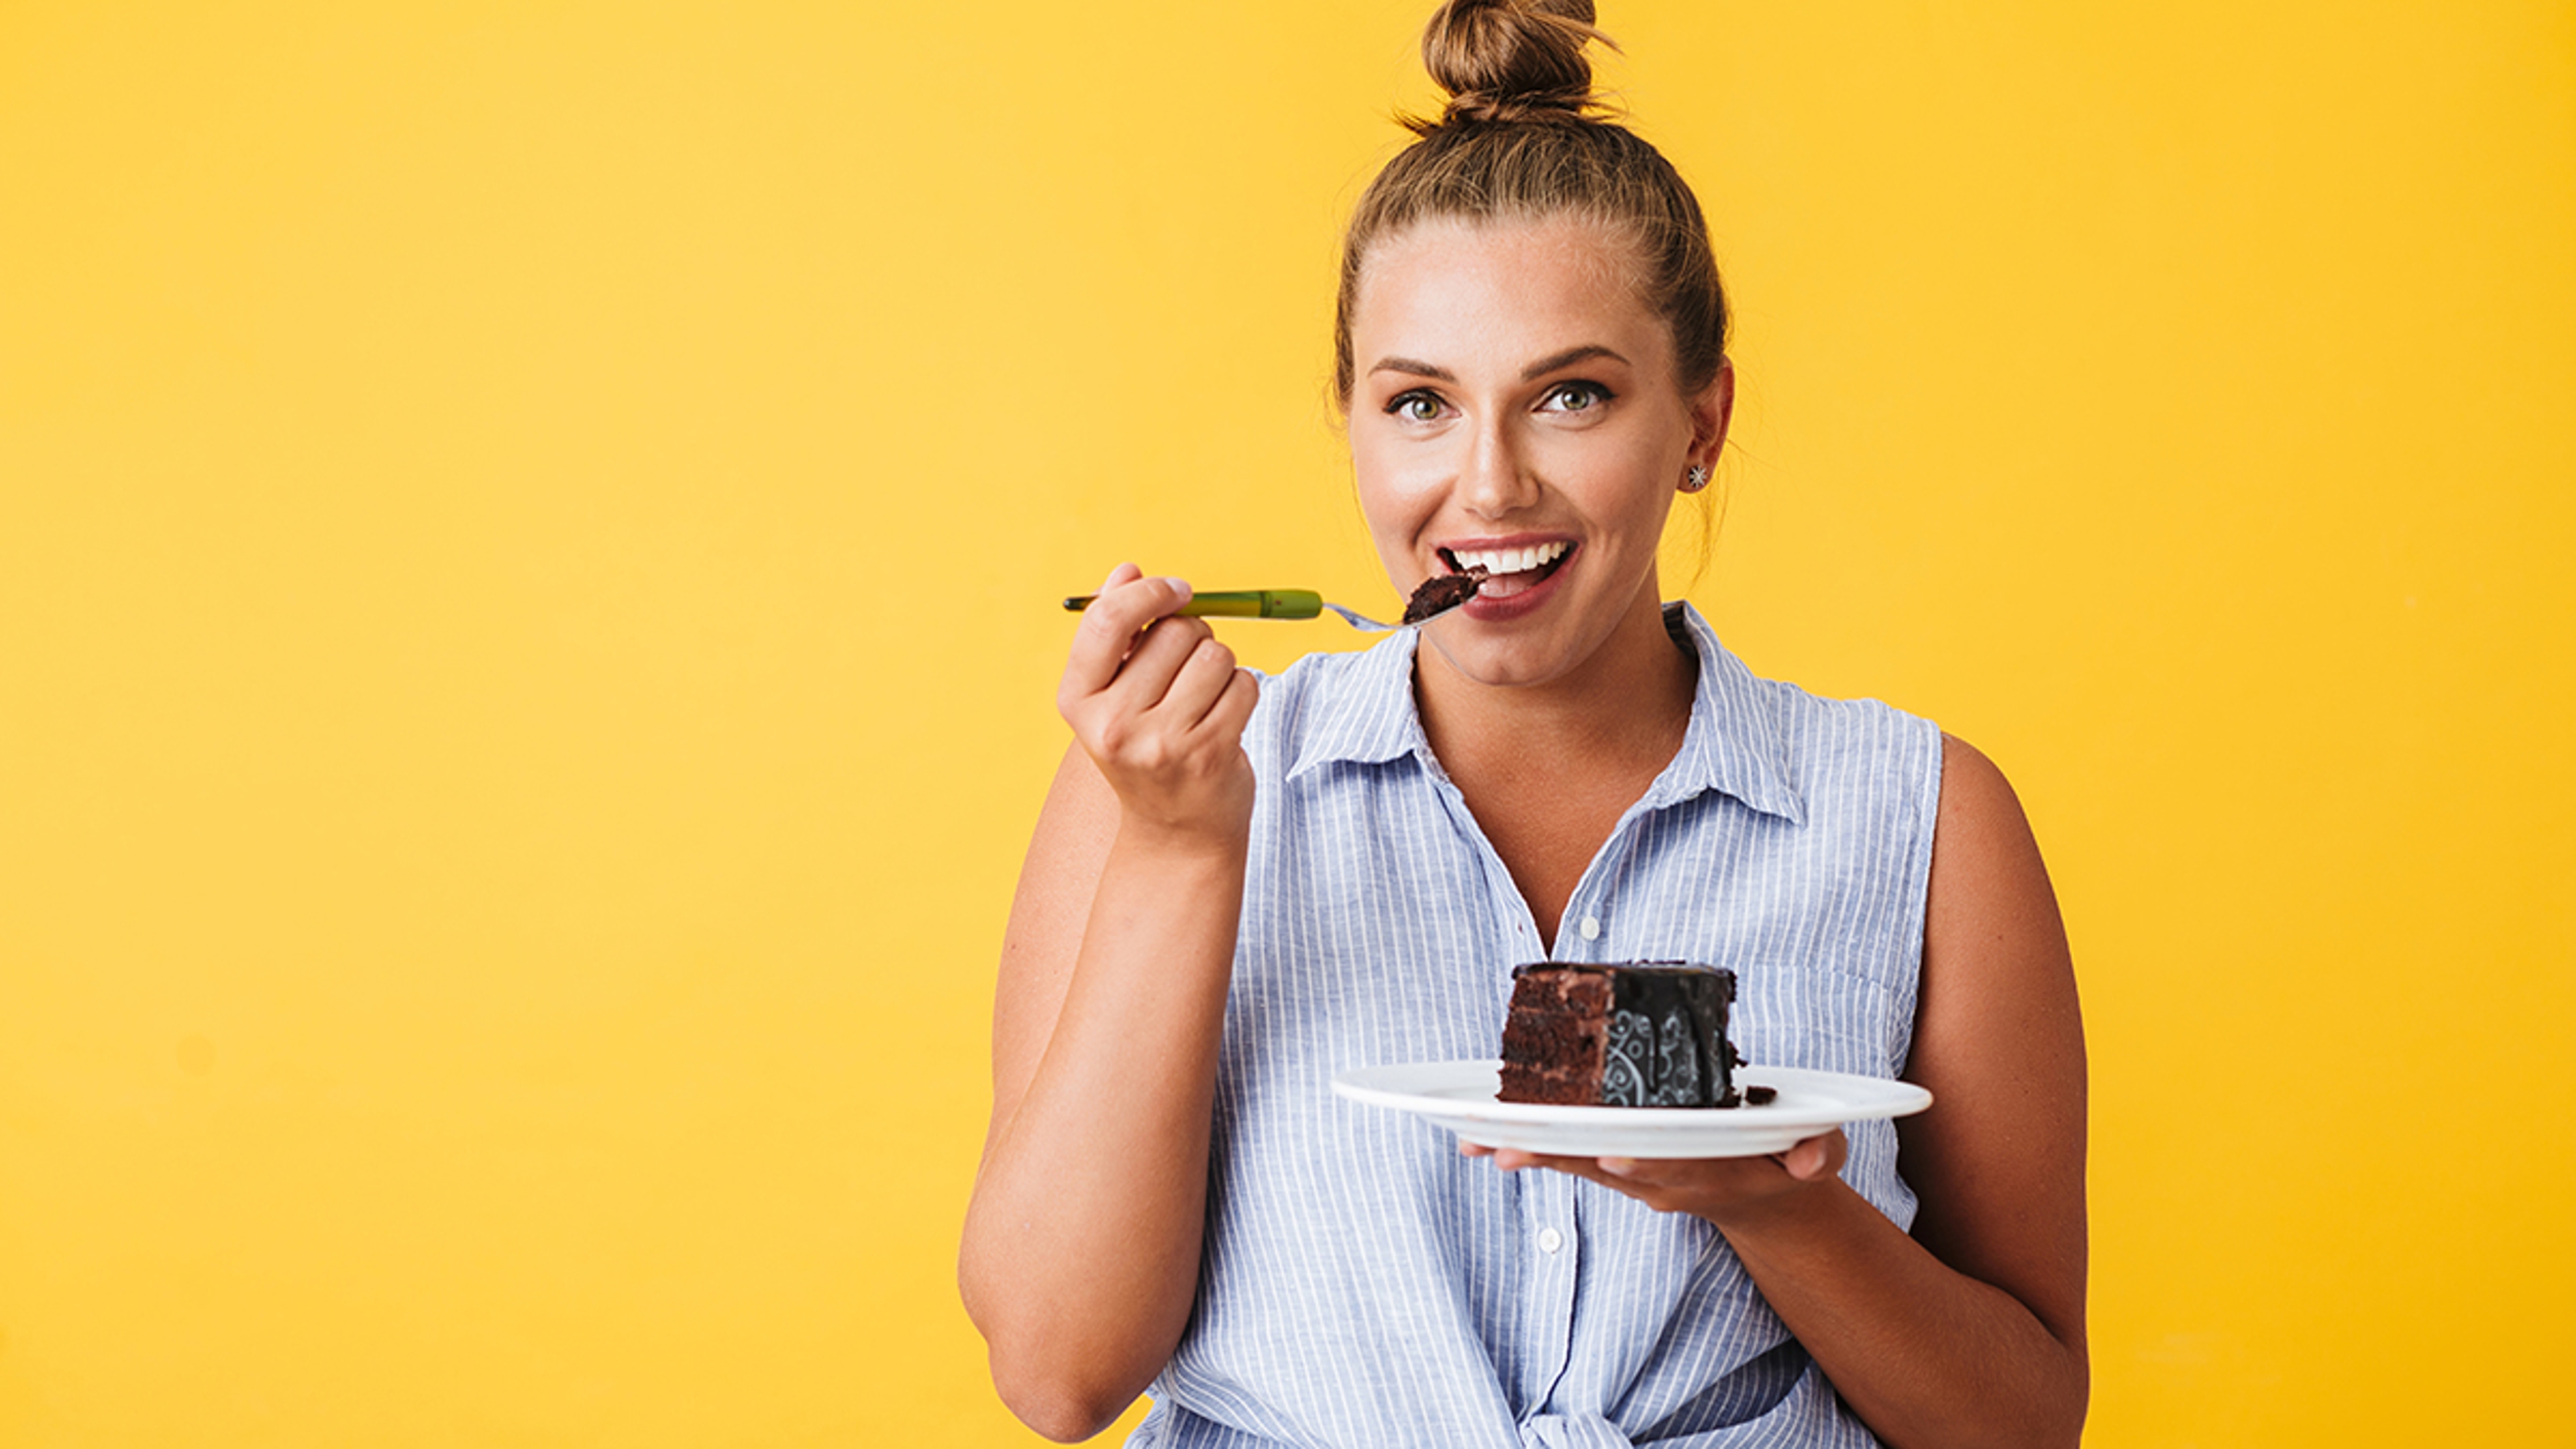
(1511, 60)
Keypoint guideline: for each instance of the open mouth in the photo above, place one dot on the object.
(1510, 570)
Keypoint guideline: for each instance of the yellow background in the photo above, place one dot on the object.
(528, 543)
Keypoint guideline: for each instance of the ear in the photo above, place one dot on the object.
(1710, 412)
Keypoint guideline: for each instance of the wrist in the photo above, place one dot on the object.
(1183, 843)
(1801, 1207)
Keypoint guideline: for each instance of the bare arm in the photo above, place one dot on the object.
(1081, 1251)
(1971, 1330)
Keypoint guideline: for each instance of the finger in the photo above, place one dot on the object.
(1153, 661)
(1101, 626)
(1101, 642)
(1816, 1158)
(1674, 1171)
(1695, 1173)
(1233, 709)
(1729, 1175)
(1514, 1160)
(1199, 682)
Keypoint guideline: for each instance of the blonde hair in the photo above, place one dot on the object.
(1523, 138)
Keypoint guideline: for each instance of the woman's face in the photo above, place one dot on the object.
(1514, 404)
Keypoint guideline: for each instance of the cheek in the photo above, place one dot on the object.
(1395, 522)
(1397, 493)
(1629, 483)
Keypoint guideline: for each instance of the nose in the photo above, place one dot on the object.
(1493, 481)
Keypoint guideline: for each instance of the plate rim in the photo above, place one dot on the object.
(1886, 1098)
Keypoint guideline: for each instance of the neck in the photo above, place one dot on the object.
(1626, 705)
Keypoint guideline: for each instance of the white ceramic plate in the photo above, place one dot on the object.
(1460, 1097)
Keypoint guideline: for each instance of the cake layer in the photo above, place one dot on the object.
(1648, 1034)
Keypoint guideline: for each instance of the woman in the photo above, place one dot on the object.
(1238, 888)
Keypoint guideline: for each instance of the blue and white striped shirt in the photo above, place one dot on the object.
(1363, 1284)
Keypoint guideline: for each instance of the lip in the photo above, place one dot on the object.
(1487, 609)
(1450, 546)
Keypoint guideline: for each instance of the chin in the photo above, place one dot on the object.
(1502, 664)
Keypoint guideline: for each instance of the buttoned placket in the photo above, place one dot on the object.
(1555, 1271)
(1550, 1218)
(1584, 933)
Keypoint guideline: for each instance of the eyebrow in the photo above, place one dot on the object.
(1567, 358)
(1540, 368)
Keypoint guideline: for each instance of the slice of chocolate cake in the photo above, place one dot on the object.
(1648, 1034)
(1442, 592)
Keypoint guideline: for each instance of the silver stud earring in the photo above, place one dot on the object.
(1696, 479)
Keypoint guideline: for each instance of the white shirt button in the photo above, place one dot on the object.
(1592, 928)
(1549, 1240)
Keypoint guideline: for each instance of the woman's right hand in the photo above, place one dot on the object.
(1081, 1254)
(1159, 706)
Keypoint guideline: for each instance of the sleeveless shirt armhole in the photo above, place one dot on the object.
(1918, 886)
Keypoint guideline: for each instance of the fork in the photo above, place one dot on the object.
(1268, 604)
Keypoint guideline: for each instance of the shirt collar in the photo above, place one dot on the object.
(1734, 742)
(1374, 720)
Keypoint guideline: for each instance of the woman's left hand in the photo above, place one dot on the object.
(1723, 1190)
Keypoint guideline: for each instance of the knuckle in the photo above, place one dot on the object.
(1107, 622)
(1113, 735)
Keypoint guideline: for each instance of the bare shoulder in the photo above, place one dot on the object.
(1998, 1162)
(1998, 995)
(1991, 914)
(1982, 828)
(1058, 879)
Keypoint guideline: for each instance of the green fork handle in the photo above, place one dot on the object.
(1240, 604)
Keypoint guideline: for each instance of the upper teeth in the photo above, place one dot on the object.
(1510, 560)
